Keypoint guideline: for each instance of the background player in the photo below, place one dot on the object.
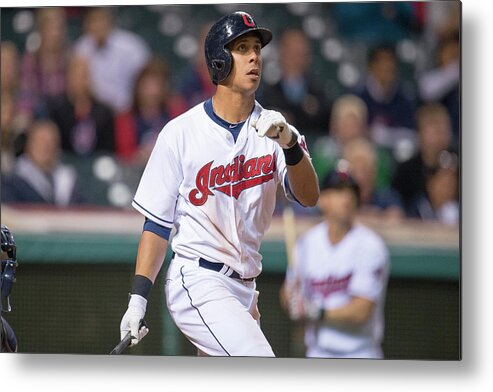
(338, 280)
(8, 340)
(213, 176)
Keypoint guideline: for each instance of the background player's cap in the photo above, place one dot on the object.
(340, 178)
(218, 57)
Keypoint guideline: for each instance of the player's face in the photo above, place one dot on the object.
(247, 63)
(338, 205)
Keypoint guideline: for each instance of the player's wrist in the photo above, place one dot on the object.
(138, 302)
(293, 140)
(141, 285)
(294, 154)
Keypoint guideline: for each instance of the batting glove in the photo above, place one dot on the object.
(295, 306)
(273, 125)
(301, 308)
(312, 311)
(132, 318)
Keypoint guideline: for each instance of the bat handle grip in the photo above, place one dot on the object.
(124, 343)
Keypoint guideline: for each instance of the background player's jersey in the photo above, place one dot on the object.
(332, 274)
(218, 194)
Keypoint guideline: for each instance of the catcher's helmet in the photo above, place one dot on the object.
(224, 31)
(9, 265)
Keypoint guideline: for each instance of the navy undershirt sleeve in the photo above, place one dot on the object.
(159, 230)
(288, 188)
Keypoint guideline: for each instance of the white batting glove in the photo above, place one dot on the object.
(301, 308)
(295, 306)
(312, 311)
(132, 318)
(273, 125)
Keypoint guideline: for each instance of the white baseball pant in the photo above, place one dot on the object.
(218, 314)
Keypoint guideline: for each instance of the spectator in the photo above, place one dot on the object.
(442, 83)
(116, 56)
(297, 95)
(43, 67)
(86, 125)
(14, 121)
(39, 176)
(381, 202)
(438, 20)
(154, 104)
(7, 133)
(390, 111)
(435, 136)
(196, 83)
(10, 68)
(348, 122)
(440, 200)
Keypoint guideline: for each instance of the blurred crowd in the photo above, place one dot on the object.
(104, 96)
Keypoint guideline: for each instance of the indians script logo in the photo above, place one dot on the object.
(330, 285)
(233, 178)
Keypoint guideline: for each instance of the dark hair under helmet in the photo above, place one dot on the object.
(218, 58)
(340, 178)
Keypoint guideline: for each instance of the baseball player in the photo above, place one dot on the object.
(8, 340)
(338, 280)
(212, 177)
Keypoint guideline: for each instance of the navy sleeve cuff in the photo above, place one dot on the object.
(159, 230)
(288, 189)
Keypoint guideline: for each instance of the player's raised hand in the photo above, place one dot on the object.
(132, 319)
(272, 124)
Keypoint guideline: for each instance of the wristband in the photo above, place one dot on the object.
(294, 154)
(141, 285)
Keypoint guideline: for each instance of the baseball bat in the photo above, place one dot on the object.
(290, 236)
(125, 342)
(289, 226)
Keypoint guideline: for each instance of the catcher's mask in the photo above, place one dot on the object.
(9, 265)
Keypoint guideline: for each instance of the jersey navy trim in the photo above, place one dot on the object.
(233, 128)
(288, 189)
(150, 213)
(198, 311)
(153, 227)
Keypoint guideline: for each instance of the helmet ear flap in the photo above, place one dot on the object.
(220, 67)
(218, 64)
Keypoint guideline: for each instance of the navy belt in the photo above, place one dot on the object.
(223, 269)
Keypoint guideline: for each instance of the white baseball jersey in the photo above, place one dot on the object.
(218, 194)
(330, 276)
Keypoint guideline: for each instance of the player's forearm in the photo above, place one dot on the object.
(303, 182)
(354, 314)
(150, 255)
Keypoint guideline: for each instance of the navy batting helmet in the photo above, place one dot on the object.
(224, 31)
